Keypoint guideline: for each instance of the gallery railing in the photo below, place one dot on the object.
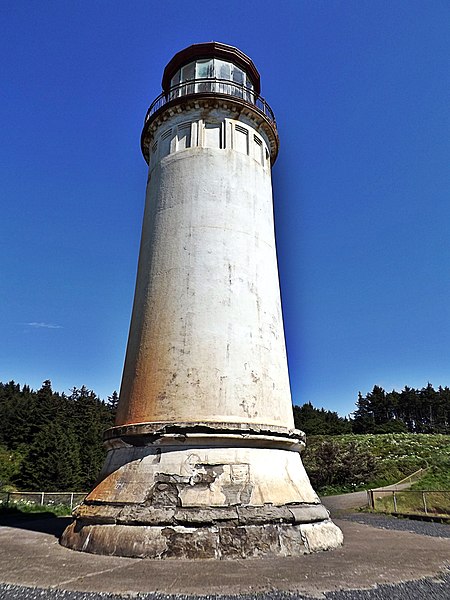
(211, 86)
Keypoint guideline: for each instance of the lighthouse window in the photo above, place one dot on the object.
(174, 82)
(213, 135)
(222, 69)
(258, 150)
(219, 72)
(165, 143)
(184, 136)
(238, 75)
(240, 139)
(239, 78)
(187, 74)
(205, 69)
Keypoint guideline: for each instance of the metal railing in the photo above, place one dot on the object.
(41, 498)
(410, 502)
(222, 87)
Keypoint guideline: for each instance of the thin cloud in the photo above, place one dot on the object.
(44, 325)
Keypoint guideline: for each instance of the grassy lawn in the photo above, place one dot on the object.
(28, 509)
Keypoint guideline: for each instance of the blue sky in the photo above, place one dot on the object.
(361, 187)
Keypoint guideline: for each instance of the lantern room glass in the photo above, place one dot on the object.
(212, 75)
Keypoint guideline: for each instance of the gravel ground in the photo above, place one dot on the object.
(425, 589)
(393, 523)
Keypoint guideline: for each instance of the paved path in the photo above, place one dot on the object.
(31, 556)
(344, 502)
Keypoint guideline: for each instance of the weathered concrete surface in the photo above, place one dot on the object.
(191, 541)
(206, 346)
(206, 338)
(369, 557)
(186, 475)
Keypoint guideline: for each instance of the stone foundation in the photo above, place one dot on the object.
(196, 536)
(206, 493)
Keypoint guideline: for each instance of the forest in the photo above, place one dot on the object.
(52, 441)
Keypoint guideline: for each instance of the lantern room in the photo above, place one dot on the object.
(211, 68)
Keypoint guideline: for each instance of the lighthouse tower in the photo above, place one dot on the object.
(204, 460)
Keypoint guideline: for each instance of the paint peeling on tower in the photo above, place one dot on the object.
(204, 460)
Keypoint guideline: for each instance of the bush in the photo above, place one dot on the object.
(333, 465)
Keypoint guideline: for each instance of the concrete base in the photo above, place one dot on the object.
(208, 493)
(213, 542)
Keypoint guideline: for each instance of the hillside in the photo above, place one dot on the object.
(350, 462)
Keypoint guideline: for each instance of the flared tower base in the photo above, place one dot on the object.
(202, 491)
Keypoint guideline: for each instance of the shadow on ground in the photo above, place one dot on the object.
(44, 522)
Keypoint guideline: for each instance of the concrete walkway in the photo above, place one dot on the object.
(31, 556)
(343, 502)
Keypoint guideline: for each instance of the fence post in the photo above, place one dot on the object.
(42, 498)
(395, 501)
(71, 501)
(424, 502)
(7, 499)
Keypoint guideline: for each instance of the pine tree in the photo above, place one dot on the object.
(53, 461)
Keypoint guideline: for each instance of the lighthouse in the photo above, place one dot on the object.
(204, 460)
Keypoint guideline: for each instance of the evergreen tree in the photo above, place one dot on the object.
(53, 462)
(90, 417)
(314, 421)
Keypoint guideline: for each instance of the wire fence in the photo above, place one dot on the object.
(71, 499)
(410, 502)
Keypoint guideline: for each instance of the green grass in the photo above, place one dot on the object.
(437, 477)
(412, 502)
(27, 508)
(396, 455)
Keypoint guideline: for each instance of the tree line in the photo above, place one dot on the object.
(412, 410)
(53, 441)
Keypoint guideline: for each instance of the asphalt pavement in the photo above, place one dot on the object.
(378, 560)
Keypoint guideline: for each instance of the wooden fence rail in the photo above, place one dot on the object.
(413, 502)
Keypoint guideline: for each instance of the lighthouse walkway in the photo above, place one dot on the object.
(378, 560)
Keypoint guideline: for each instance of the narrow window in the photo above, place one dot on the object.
(205, 70)
(240, 139)
(222, 71)
(175, 83)
(184, 136)
(187, 74)
(165, 143)
(258, 150)
(152, 157)
(239, 78)
(213, 135)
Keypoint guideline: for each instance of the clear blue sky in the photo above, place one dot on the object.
(360, 89)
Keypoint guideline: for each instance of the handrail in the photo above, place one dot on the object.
(223, 87)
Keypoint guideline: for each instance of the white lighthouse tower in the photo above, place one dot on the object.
(204, 460)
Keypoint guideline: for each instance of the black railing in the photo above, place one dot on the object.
(214, 86)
